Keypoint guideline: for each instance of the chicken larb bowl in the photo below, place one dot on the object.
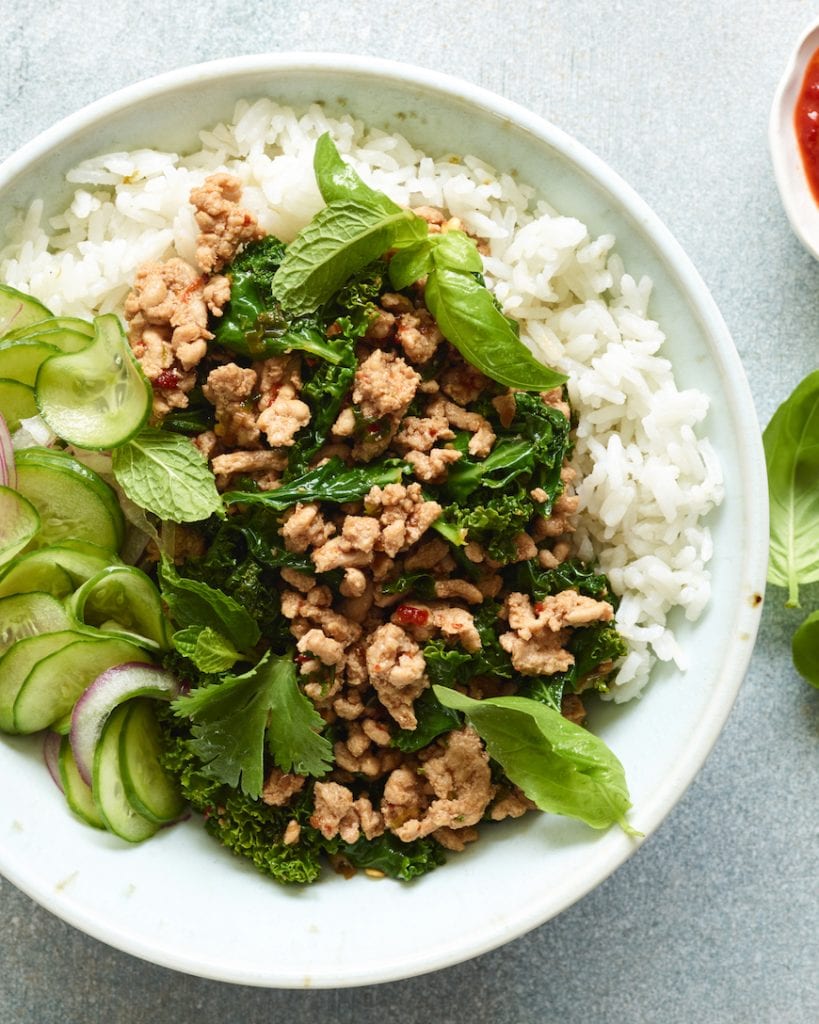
(410, 496)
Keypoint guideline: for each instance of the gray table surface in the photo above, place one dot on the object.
(715, 919)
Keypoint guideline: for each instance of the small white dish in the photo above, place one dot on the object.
(800, 204)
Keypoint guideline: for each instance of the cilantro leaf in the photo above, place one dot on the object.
(235, 720)
(163, 473)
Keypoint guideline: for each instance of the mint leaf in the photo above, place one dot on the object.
(194, 603)
(338, 242)
(234, 720)
(163, 473)
(206, 648)
(562, 767)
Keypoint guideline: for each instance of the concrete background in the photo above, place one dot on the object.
(715, 920)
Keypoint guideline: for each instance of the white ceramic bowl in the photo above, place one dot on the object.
(183, 901)
(797, 198)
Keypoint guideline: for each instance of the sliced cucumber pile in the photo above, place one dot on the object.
(78, 627)
(96, 397)
(82, 378)
(18, 310)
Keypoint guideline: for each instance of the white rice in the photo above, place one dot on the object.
(647, 479)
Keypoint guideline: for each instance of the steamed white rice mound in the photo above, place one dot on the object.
(647, 479)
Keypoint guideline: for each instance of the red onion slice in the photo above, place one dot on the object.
(8, 474)
(110, 689)
(51, 756)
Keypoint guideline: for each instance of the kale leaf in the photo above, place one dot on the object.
(251, 274)
(394, 857)
(333, 481)
(247, 826)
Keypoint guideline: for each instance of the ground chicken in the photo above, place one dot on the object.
(461, 781)
(284, 418)
(167, 313)
(403, 514)
(337, 813)
(323, 647)
(510, 804)
(483, 436)
(230, 389)
(384, 384)
(397, 671)
(224, 226)
(432, 468)
(279, 787)
(355, 546)
(418, 335)
(423, 621)
(420, 433)
(304, 527)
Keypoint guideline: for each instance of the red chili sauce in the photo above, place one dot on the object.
(806, 123)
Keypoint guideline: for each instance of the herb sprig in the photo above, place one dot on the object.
(358, 225)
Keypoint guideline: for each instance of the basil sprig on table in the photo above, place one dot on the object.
(791, 443)
(357, 226)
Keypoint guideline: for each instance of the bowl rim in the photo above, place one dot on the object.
(749, 457)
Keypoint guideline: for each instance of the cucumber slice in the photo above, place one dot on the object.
(62, 725)
(19, 660)
(54, 685)
(21, 360)
(122, 599)
(48, 578)
(115, 809)
(64, 339)
(52, 323)
(19, 523)
(78, 793)
(24, 615)
(50, 566)
(99, 397)
(19, 310)
(71, 499)
(149, 788)
(16, 402)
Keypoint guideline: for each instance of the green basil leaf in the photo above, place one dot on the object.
(805, 647)
(338, 242)
(468, 318)
(338, 181)
(409, 265)
(163, 473)
(791, 442)
(455, 250)
(560, 766)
